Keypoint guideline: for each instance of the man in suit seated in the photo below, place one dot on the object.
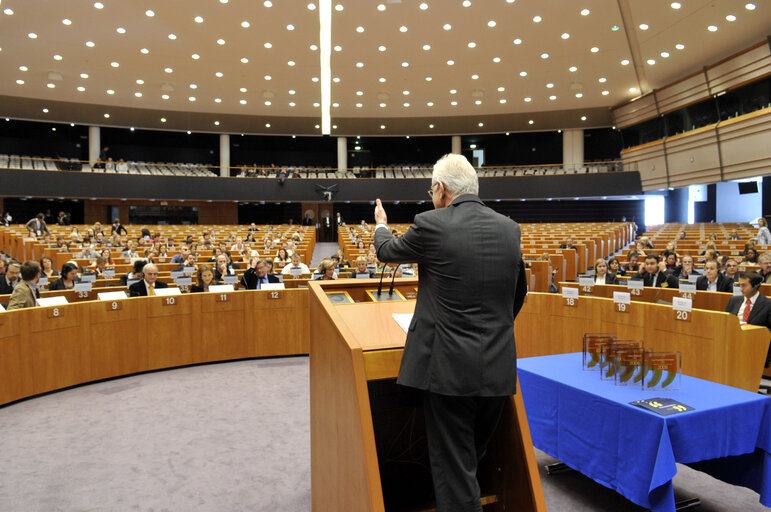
(184, 251)
(713, 280)
(734, 235)
(148, 284)
(37, 227)
(25, 293)
(654, 276)
(257, 275)
(732, 270)
(764, 260)
(11, 278)
(751, 307)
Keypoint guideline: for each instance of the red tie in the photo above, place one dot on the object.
(746, 314)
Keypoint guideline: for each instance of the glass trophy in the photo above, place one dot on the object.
(593, 344)
(628, 365)
(662, 370)
(608, 356)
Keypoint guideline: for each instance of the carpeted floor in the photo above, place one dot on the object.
(221, 437)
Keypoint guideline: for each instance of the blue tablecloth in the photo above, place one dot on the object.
(589, 425)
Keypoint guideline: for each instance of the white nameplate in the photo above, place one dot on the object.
(737, 290)
(681, 304)
(184, 281)
(635, 284)
(296, 272)
(219, 288)
(272, 286)
(176, 273)
(692, 278)
(87, 278)
(83, 287)
(687, 287)
(2, 308)
(570, 293)
(111, 295)
(188, 270)
(108, 273)
(230, 279)
(165, 292)
(622, 297)
(43, 281)
(364, 275)
(60, 300)
(586, 281)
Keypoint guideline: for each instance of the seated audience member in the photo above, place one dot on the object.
(190, 261)
(204, 280)
(257, 275)
(121, 166)
(653, 276)
(685, 270)
(710, 255)
(59, 242)
(734, 235)
(710, 246)
(750, 256)
(325, 271)
(37, 227)
(641, 249)
(361, 268)
(223, 268)
(282, 256)
(2, 267)
(47, 268)
(11, 278)
(145, 233)
(238, 246)
(713, 281)
(184, 251)
(75, 235)
(105, 253)
(136, 273)
(670, 261)
(732, 270)
(162, 251)
(25, 293)
(601, 274)
(344, 263)
(131, 250)
(296, 264)
(268, 266)
(67, 277)
(681, 235)
(647, 244)
(669, 248)
(751, 307)
(86, 252)
(568, 244)
(100, 266)
(764, 260)
(632, 266)
(116, 241)
(148, 284)
(614, 267)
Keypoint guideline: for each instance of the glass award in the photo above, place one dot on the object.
(662, 370)
(608, 356)
(628, 365)
(593, 344)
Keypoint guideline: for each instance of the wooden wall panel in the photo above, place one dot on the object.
(745, 147)
(744, 67)
(650, 162)
(693, 157)
(635, 111)
(689, 89)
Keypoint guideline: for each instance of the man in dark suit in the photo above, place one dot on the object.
(752, 307)
(257, 275)
(654, 276)
(148, 284)
(11, 278)
(713, 280)
(460, 346)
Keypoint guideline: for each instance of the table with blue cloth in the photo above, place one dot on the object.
(588, 424)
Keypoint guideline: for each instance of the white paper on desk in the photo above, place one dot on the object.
(404, 320)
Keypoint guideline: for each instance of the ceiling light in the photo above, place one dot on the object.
(501, 89)
(406, 104)
(311, 7)
(594, 49)
(82, 75)
(472, 44)
(163, 119)
(45, 110)
(81, 88)
(107, 116)
(423, 6)
(496, 59)
(565, 36)
(528, 99)
(431, 126)
(447, 26)
(491, 23)
(359, 105)
(466, 3)
(193, 86)
(140, 81)
(579, 95)
(336, 80)
(549, 85)
(403, 29)
(164, 96)
(625, 62)
(57, 57)
(359, 93)
(585, 12)
(474, 77)
(243, 102)
(218, 74)
(268, 45)
(66, 21)
(242, 89)
(145, 51)
(675, 5)
(191, 98)
(680, 46)
(335, 105)
(316, 105)
(195, 56)
(426, 47)
(572, 69)
(359, 29)
(478, 102)
(453, 91)
(406, 93)
(110, 92)
(20, 82)
(172, 36)
(292, 103)
(245, 24)
(602, 79)
(9, 12)
(24, 68)
(537, 19)
(138, 94)
(313, 47)
(381, 79)
(292, 91)
(268, 77)
(338, 48)
(552, 97)
(290, 63)
(430, 104)
(583, 118)
(544, 55)
(530, 122)
(216, 123)
(217, 100)
(450, 62)
(749, 6)
(220, 42)
(382, 105)
(339, 7)
(382, 127)
(290, 27)
(651, 62)
(502, 100)
(453, 103)
(99, 5)
(665, 54)
(381, 48)
(198, 19)
(90, 44)
(643, 26)
(712, 28)
(517, 41)
(114, 64)
(149, 13)
(481, 125)
(244, 60)
(168, 70)
(633, 89)
(730, 17)
(189, 132)
(605, 93)
(381, 7)
(120, 30)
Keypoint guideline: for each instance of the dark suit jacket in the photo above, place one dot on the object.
(759, 315)
(472, 285)
(724, 284)
(663, 277)
(139, 289)
(5, 288)
(32, 223)
(250, 279)
(610, 278)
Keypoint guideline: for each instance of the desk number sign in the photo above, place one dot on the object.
(682, 308)
(622, 301)
(570, 296)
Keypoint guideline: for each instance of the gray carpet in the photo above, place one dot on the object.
(224, 437)
(321, 251)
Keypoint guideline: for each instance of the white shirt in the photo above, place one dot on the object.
(381, 226)
(302, 266)
(600, 280)
(740, 313)
(712, 286)
(147, 287)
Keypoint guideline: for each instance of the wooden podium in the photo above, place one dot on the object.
(368, 448)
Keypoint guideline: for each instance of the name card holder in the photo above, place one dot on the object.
(687, 290)
(188, 271)
(83, 287)
(682, 308)
(87, 278)
(109, 273)
(43, 281)
(692, 278)
(622, 301)
(176, 273)
(221, 288)
(364, 275)
(738, 290)
(586, 283)
(635, 286)
(165, 292)
(570, 297)
(60, 300)
(184, 281)
(296, 272)
(230, 279)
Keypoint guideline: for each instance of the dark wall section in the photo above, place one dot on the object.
(706, 211)
(536, 148)
(766, 191)
(266, 150)
(676, 205)
(24, 209)
(602, 145)
(76, 184)
(152, 146)
(269, 213)
(43, 139)
(374, 151)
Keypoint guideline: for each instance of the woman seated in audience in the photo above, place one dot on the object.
(150, 255)
(713, 237)
(669, 249)
(711, 255)
(326, 270)
(601, 274)
(710, 246)
(647, 244)
(205, 278)
(46, 268)
(614, 267)
(163, 251)
(249, 237)
(681, 235)
(282, 256)
(750, 256)
(361, 246)
(640, 248)
(105, 253)
(68, 277)
(75, 235)
(343, 263)
(361, 268)
(100, 265)
(98, 228)
(670, 261)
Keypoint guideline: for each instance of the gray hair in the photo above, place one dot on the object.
(766, 256)
(457, 175)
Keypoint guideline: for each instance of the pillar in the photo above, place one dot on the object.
(94, 144)
(224, 154)
(342, 154)
(456, 144)
(573, 148)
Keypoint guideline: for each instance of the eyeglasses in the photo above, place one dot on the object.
(431, 190)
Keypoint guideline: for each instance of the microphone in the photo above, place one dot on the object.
(380, 286)
(393, 280)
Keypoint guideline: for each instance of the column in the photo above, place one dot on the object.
(573, 148)
(94, 144)
(342, 154)
(224, 154)
(456, 144)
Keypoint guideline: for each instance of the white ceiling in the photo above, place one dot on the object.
(426, 99)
